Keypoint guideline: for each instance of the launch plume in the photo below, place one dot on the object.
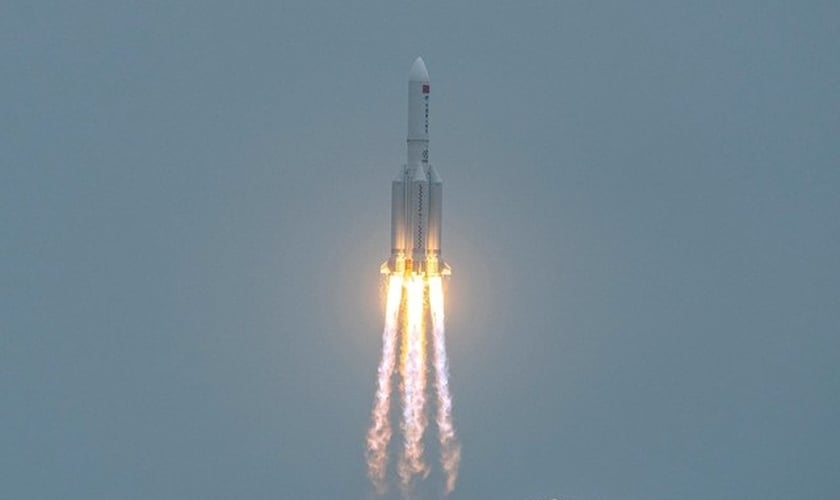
(450, 449)
(414, 387)
(379, 434)
(405, 314)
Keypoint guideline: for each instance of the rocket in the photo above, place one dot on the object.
(417, 192)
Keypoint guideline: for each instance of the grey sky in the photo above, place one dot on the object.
(642, 215)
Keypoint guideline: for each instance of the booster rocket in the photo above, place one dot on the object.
(417, 192)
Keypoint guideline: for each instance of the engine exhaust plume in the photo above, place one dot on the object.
(379, 435)
(414, 387)
(450, 449)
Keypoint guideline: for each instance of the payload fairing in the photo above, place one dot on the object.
(417, 192)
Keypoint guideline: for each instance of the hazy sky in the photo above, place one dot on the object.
(642, 213)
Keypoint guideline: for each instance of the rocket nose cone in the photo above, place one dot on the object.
(418, 71)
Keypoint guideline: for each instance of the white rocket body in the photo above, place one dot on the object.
(417, 191)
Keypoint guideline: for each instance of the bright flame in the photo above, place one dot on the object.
(413, 308)
(379, 434)
(414, 386)
(450, 449)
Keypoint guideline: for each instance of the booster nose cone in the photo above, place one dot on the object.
(418, 71)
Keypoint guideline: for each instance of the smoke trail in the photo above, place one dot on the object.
(450, 449)
(414, 387)
(379, 434)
